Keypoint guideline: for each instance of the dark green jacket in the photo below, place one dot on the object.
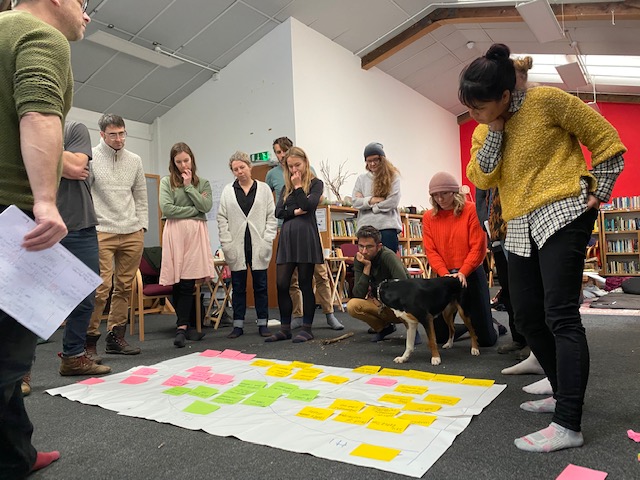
(384, 266)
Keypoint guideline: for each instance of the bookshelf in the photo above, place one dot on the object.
(411, 236)
(340, 223)
(619, 238)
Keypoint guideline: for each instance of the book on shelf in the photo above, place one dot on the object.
(623, 267)
(344, 228)
(621, 224)
(623, 203)
(627, 245)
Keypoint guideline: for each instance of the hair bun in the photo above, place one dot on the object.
(498, 52)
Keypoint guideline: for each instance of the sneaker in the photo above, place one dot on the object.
(26, 384)
(388, 330)
(181, 338)
(81, 365)
(510, 347)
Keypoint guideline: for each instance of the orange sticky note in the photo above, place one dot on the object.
(376, 453)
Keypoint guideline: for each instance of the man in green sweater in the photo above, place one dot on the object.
(36, 94)
(373, 264)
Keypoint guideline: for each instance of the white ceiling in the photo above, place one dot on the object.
(214, 32)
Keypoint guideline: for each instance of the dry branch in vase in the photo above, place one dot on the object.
(334, 184)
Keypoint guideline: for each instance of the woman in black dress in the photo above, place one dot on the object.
(299, 245)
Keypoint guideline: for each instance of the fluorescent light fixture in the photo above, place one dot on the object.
(138, 51)
(572, 75)
(541, 20)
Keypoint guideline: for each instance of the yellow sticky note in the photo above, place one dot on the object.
(387, 424)
(278, 371)
(353, 418)
(442, 399)
(381, 411)
(401, 399)
(420, 375)
(392, 372)
(306, 375)
(262, 363)
(376, 453)
(334, 379)
(448, 378)
(415, 419)
(478, 382)
(297, 364)
(315, 413)
(367, 369)
(412, 389)
(349, 405)
(421, 407)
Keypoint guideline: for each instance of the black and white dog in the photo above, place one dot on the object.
(418, 300)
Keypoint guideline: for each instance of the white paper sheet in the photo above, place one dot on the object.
(39, 289)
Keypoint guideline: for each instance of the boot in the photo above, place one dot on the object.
(91, 348)
(26, 384)
(81, 365)
(117, 344)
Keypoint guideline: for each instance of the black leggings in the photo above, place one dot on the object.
(184, 302)
(305, 280)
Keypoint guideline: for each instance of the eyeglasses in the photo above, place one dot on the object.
(373, 160)
(85, 5)
(366, 247)
(113, 136)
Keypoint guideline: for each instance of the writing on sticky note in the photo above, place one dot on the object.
(381, 411)
(412, 389)
(447, 378)
(334, 379)
(297, 364)
(199, 376)
(228, 353)
(210, 353)
(416, 419)
(303, 395)
(442, 399)
(283, 387)
(381, 382)
(392, 372)
(349, 405)
(353, 418)
(253, 384)
(477, 382)
(315, 413)
(387, 424)
(175, 381)
(260, 399)
(133, 380)
(375, 452)
(203, 392)
(228, 398)
(400, 399)
(575, 472)
(201, 408)
(144, 371)
(198, 369)
(420, 375)
(245, 357)
(220, 379)
(280, 371)
(367, 369)
(421, 407)
(262, 363)
(306, 375)
(242, 390)
(91, 381)
(176, 391)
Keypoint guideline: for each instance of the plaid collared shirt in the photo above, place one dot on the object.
(539, 225)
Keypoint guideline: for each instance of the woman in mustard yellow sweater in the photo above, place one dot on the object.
(528, 145)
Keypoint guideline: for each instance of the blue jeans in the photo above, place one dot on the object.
(545, 294)
(84, 245)
(390, 238)
(239, 296)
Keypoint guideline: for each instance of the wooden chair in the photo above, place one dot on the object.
(417, 265)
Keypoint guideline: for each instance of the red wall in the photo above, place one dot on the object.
(624, 116)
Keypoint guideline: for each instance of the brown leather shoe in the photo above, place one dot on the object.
(117, 344)
(91, 348)
(26, 384)
(81, 365)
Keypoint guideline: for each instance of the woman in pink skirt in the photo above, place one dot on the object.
(185, 200)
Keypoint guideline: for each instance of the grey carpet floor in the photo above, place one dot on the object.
(98, 444)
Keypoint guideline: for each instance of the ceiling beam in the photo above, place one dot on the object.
(626, 10)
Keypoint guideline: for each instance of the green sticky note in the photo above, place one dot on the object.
(282, 387)
(177, 391)
(243, 390)
(303, 395)
(203, 392)
(228, 398)
(201, 408)
(259, 400)
(255, 384)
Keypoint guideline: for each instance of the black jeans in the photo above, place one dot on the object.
(390, 238)
(260, 294)
(502, 266)
(545, 293)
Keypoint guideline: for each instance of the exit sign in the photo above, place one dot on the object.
(260, 157)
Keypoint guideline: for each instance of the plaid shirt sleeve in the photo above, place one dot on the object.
(607, 173)
(491, 152)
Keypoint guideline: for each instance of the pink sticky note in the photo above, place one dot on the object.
(175, 381)
(220, 379)
(574, 472)
(145, 371)
(198, 369)
(210, 353)
(635, 436)
(229, 353)
(245, 356)
(381, 382)
(91, 381)
(133, 380)
(199, 376)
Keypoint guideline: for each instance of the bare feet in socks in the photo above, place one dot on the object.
(541, 387)
(550, 439)
(530, 366)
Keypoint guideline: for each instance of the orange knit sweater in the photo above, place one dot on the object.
(454, 242)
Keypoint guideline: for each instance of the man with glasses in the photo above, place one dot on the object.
(373, 264)
(119, 193)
